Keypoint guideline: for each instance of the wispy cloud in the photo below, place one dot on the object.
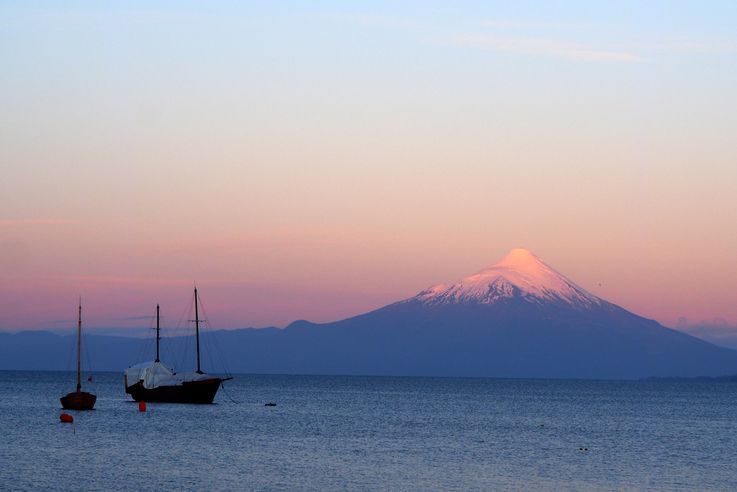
(142, 317)
(279, 238)
(34, 222)
(510, 24)
(502, 36)
(718, 330)
(695, 47)
(383, 21)
(715, 325)
(541, 47)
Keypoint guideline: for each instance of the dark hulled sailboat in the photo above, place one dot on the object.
(155, 382)
(79, 400)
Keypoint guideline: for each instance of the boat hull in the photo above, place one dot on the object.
(188, 392)
(79, 400)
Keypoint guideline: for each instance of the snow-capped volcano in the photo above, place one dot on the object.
(517, 318)
(520, 274)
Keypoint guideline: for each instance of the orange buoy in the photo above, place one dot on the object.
(141, 406)
(66, 418)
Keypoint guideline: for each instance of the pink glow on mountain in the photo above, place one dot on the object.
(519, 272)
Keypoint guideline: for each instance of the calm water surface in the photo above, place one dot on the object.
(365, 433)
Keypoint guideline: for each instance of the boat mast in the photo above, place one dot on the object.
(79, 347)
(197, 329)
(158, 336)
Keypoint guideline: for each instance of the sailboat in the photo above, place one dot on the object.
(79, 400)
(155, 382)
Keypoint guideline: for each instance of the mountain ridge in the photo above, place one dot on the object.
(518, 318)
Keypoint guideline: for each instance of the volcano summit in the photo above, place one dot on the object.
(520, 274)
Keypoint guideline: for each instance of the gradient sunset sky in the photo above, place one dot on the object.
(320, 159)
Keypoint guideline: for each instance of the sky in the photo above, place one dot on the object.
(316, 160)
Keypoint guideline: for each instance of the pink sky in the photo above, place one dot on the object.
(358, 157)
(321, 276)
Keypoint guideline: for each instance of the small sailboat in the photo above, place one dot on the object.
(155, 382)
(79, 400)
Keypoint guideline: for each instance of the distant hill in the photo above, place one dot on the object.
(518, 318)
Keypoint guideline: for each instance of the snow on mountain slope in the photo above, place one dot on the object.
(519, 274)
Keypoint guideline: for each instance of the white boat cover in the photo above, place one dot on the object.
(155, 374)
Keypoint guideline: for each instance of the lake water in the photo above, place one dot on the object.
(366, 433)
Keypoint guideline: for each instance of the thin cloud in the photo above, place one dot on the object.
(383, 21)
(499, 42)
(138, 318)
(713, 326)
(695, 47)
(34, 222)
(717, 331)
(541, 47)
(508, 24)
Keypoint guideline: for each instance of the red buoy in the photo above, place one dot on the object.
(66, 418)
(142, 406)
